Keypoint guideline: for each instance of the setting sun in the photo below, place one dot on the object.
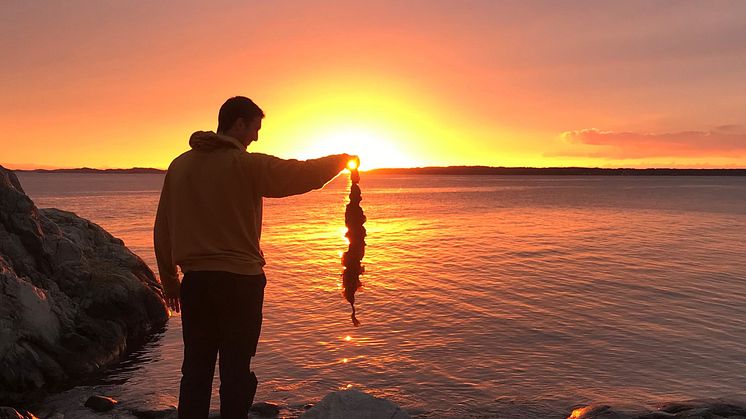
(384, 127)
(374, 149)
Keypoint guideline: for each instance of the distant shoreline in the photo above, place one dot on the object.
(560, 171)
(466, 171)
(134, 170)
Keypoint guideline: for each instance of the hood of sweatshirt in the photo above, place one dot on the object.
(208, 140)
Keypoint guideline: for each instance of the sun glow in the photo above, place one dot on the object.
(374, 148)
(383, 120)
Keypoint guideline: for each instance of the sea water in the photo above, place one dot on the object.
(518, 296)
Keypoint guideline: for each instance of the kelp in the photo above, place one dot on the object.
(351, 259)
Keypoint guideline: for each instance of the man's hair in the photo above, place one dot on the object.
(234, 108)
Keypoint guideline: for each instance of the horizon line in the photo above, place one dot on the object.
(463, 167)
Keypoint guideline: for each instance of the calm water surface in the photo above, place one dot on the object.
(517, 296)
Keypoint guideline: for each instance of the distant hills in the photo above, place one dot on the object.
(473, 170)
(560, 171)
(134, 170)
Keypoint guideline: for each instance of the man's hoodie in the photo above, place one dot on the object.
(210, 212)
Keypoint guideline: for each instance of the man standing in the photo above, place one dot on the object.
(209, 224)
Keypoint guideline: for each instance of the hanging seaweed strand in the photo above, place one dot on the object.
(354, 220)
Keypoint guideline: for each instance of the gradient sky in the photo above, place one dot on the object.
(404, 83)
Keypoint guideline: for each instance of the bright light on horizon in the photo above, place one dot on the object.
(375, 150)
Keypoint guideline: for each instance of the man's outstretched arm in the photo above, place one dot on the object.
(278, 178)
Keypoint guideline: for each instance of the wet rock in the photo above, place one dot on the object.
(100, 403)
(354, 404)
(73, 297)
(692, 409)
(265, 409)
(695, 413)
(711, 408)
(11, 413)
(599, 412)
(727, 409)
(71, 404)
(676, 407)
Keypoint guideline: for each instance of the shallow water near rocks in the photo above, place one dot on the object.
(510, 296)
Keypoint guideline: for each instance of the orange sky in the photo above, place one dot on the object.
(540, 83)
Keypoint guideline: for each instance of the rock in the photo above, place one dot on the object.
(71, 404)
(708, 408)
(265, 409)
(692, 409)
(696, 413)
(101, 403)
(354, 404)
(72, 297)
(676, 407)
(727, 409)
(76, 403)
(599, 412)
(10, 413)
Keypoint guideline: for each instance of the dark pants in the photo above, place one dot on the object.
(221, 312)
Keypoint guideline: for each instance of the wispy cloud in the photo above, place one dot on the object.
(723, 141)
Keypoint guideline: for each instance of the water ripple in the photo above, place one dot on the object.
(508, 296)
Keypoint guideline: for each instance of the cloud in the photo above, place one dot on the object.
(723, 141)
(729, 128)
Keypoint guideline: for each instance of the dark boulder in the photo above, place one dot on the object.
(354, 404)
(264, 409)
(100, 403)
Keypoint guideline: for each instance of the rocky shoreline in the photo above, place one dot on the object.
(73, 298)
(87, 403)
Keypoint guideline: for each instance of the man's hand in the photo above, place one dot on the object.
(347, 158)
(174, 303)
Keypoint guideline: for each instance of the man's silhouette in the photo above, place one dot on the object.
(209, 223)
